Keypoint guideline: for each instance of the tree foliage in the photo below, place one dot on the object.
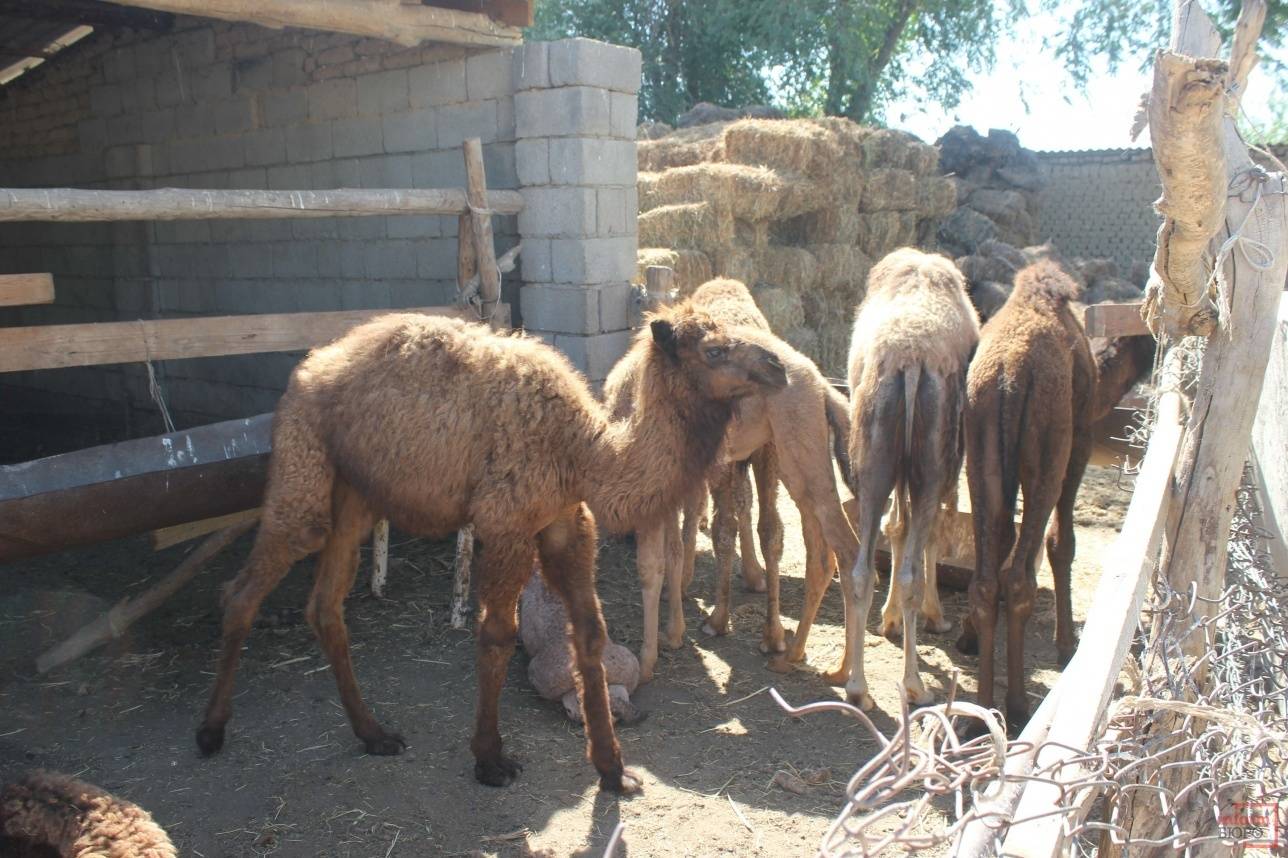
(850, 57)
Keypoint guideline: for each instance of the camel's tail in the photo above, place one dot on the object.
(1013, 408)
(911, 379)
(838, 420)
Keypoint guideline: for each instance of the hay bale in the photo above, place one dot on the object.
(649, 256)
(838, 224)
(694, 226)
(753, 235)
(750, 192)
(882, 232)
(842, 270)
(681, 148)
(804, 339)
(738, 263)
(923, 159)
(889, 189)
(792, 268)
(801, 146)
(936, 196)
(1006, 208)
(652, 130)
(692, 267)
(705, 113)
(782, 307)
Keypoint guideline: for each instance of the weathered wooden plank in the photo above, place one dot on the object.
(1270, 441)
(75, 204)
(380, 19)
(1114, 320)
(489, 273)
(168, 536)
(52, 346)
(17, 290)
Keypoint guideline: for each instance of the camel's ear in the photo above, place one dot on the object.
(664, 336)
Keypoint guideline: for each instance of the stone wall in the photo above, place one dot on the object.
(238, 106)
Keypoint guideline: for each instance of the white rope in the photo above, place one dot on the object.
(154, 386)
(1257, 254)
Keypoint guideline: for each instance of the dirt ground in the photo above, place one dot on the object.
(293, 781)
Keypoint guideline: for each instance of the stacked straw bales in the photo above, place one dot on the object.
(797, 209)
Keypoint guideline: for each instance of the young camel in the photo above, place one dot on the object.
(913, 338)
(1029, 403)
(399, 419)
(784, 435)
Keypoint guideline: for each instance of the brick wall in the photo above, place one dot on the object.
(238, 106)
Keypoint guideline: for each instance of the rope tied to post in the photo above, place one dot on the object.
(154, 386)
(1256, 253)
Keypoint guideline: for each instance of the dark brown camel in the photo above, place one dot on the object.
(435, 424)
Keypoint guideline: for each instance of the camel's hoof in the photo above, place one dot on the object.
(968, 645)
(938, 626)
(837, 677)
(918, 696)
(646, 673)
(623, 782)
(861, 699)
(713, 629)
(675, 641)
(893, 633)
(780, 664)
(631, 717)
(385, 744)
(772, 643)
(210, 740)
(754, 584)
(1064, 656)
(1017, 716)
(500, 772)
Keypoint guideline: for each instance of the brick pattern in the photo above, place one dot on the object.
(575, 110)
(235, 106)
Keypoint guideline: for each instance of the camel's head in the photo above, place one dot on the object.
(721, 364)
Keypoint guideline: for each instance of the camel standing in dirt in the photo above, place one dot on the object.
(913, 338)
(1029, 413)
(434, 424)
(785, 435)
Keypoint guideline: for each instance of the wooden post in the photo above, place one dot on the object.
(17, 290)
(461, 576)
(379, 557)
(658, 282)
(113, 624)
(481, 229)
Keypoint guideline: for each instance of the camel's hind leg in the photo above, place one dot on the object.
(674, 545)
(765, 462)
(338, 565)
(819, 568)
(294, 523)
(1060, 545)
(567, 550)
(695, 509)
(724, 531)
(505, 564)
(753, 574)
(650, 562)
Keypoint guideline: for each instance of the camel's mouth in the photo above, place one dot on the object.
(769, 371)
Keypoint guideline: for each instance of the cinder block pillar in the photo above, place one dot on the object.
(575, 108)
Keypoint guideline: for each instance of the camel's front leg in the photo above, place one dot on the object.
(674, 545)
(650, 560)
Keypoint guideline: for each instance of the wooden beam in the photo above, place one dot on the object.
(1087, 683)
(489, 273)
(1114, 320)
(92, 12)
(515, 13)
(54, 346)
(18, 290)
(167, 536)
(1270, 440)
(379, 19)
(73, 204)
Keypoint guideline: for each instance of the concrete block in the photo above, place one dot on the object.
(436, 257)
(561, 309)
(437, 84)
(195, 47)
(118, 66)
(413, 226)
(105, 100)
(488, 74)
(596, 354)
(250, 260)
(170, 91)
(413, 131)
(308, 142)
(535, 262)
(288, 67)
(354, 137)
(91, 134)
(592, 260)
(233, 115)
(613, 213)
(459, 122)
(567, 111)
(498, 164)
(284, 107)
(194, 120)
(394, 172)
(382, 93)
(209, 83)
(586, 62)
(124, 128)
(592, 161)
(623, 110)
(295, 259)
(252, 74)
(138, 95)
(348, 173)
(532, 161)
(530, 66)
(615, 302)
(562, 212)
(158, 126)
(333, 99)
(388, 259)
(289, 177)
(506, 126)
(265, 147)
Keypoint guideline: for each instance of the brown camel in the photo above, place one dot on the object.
(913, 338)
(784, 435)
(434, 424)
(1029, 410)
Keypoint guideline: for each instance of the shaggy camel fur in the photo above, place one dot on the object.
(913, 338)
(543, 628)
(434, 424)
(784, 435)
(46, 813)
(1029, 401)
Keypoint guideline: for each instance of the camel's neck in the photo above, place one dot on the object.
(648, 463)
(1120, 363)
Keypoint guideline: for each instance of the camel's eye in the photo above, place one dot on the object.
(715, 352)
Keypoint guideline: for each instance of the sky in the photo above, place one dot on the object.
(1029, 92)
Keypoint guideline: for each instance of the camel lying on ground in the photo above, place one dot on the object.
(434, 424)
(913, 338)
